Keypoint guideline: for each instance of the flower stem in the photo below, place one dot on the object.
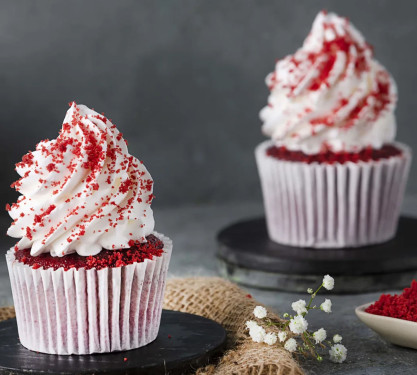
(310, 344)
(311, 298)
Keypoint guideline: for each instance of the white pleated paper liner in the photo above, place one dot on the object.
(332, 205)
(89, 311)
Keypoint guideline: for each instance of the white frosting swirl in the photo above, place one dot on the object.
(82, 192)
(331, 94)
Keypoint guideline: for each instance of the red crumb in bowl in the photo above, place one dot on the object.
(329, 157)
(403, 306)
(137, 253)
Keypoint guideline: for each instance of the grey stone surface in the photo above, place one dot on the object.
(183, 80)
(193, 230)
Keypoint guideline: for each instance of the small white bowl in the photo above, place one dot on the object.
(397, 331)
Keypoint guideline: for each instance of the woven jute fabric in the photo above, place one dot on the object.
(7, 313)
(227, 304)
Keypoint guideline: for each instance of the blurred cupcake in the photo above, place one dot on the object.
(331, 175)
(88, 274)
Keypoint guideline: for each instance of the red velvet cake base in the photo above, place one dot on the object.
(84, 311)
(329, 157)
(137, 253)
(316, 201)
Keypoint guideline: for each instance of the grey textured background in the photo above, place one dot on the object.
(183, 80)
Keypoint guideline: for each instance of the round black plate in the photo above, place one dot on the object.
(184, 342)
(247, 256)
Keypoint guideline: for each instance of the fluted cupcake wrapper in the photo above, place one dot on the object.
(89, 311)
(332, 205)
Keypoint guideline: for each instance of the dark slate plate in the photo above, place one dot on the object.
(185, 342)
(247, 256)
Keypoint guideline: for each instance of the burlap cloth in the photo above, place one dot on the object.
(227, 304)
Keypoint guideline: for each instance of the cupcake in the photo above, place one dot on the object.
(88, 273)
(332, 174)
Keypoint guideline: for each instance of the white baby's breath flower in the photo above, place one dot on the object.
(320, 335)
(326, 306)
(337, 339)
(270, 338)
(251, 324)
(299, 306)
(338, 353)
(291, 345)
(310, 291)
(328, 282)
(298, 324)
(260, 312)
(282, 336)
(257, 334)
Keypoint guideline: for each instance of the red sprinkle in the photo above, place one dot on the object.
(403, 306)
(50, 167)
(125, 186)
(329, 157)
(29, 233)
(137, 253)
(39, 218)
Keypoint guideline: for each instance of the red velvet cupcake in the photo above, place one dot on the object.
(332, 175)
(88, 274)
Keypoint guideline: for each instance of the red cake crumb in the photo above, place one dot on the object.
(137, 253)
(39, 218)
(329, 157)
(403, 306)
